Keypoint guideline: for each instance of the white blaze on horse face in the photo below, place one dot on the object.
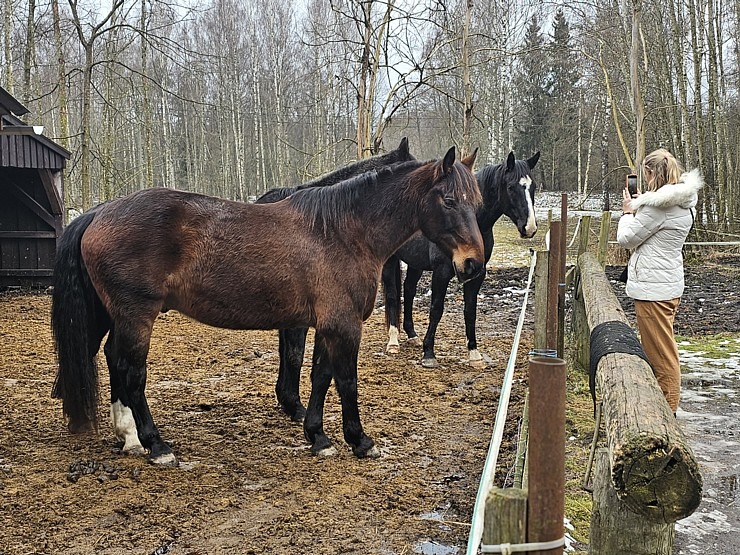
(531, 227)
(125, 428)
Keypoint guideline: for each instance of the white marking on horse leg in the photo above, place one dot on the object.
(168, 459)
(330, 451)
(125, 429)
(531, 227)
(392, 347)
(475, 359)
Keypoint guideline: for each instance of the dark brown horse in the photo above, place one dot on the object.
(292, 342)
(228, 264)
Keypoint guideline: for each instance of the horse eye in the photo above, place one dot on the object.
(450, 202)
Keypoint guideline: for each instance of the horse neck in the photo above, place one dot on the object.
(389, 217)
(494, 200)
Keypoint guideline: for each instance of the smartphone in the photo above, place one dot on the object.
(632, 184)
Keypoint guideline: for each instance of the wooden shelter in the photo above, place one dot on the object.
(31, 198)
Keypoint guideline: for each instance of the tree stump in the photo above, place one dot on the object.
(652, 467)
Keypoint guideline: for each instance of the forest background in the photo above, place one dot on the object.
(233, 97)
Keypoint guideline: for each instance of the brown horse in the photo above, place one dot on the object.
(228, 264)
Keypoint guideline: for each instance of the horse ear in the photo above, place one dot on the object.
(469, 160)
(532, 162)
(403, 148)
(448, 161)
(510, 161)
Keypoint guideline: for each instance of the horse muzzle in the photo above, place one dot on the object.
(471, 269)
(528, 231)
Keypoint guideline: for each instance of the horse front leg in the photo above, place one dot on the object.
(343, 354)
(292, 346)
(391, 278)
(470, 292)
(409, 292)
(441, 277)
(313, 424)
(131, 349)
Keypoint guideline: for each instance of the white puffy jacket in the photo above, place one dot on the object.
(656, 233)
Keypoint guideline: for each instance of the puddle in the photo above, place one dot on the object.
(434, 548)
(709, 415)
(438, 514)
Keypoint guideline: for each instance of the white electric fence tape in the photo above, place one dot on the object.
(508, 548)
(476, 526)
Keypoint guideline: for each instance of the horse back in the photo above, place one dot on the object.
(223, 263)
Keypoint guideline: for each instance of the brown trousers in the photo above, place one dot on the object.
(655, 322)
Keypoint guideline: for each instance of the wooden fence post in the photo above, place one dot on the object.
(604, 237)
(505, 517)
(540, 299)
(584, 234)
(652, 466)
(546, 456)
(562, 260)
(553, 280)
(616, 530)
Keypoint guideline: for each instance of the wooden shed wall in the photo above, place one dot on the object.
(26, 151)
(27, 240)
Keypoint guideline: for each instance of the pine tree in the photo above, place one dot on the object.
(530, 116)
(562, 95)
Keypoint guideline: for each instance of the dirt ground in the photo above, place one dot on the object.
(247, 482)
(711, 300)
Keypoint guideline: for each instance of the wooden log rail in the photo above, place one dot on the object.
(653, 469)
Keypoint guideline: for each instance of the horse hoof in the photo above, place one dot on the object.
(298, 415)
(134, 451)
(414, 341)
(372, 453)
(80, 427)
(327, 452)
(429, 363)
(392, 349)
(478, 364)
(165, 459)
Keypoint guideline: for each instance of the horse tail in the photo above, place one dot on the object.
(78, 321)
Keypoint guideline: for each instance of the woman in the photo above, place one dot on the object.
(654, 225)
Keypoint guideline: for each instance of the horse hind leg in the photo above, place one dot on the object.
(391, 278)
(409, 292)
(131, 346)
(124, 426)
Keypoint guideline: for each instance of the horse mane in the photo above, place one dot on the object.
(330, 208)
(398, 154)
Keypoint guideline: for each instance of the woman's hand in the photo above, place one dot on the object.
(626, 201)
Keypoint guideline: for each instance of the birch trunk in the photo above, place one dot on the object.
(7, 37)
(467, 84)
(638, 105)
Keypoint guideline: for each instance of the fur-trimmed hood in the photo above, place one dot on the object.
(685, 193)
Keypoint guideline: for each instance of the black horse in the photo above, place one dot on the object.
(292, 342)
(506, 188)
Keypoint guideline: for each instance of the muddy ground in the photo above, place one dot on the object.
(247, 482)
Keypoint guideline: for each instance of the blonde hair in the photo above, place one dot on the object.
(664, 168)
